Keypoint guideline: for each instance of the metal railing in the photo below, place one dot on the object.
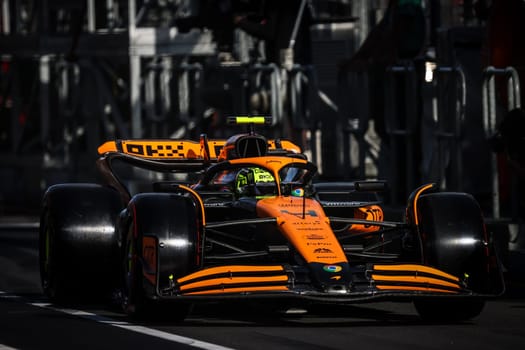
(353, 108)
(303, 92)
(449, 114)
(490, 118)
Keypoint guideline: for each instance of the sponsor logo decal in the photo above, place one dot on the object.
(297, 192)
(319, 244)
(332, 268)
(293, 205)
(322, 250)
(315, 236)
(312, 213)
(155, 150)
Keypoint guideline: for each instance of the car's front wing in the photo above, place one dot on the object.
(373, 281)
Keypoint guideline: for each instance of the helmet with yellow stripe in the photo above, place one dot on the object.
(255, 181)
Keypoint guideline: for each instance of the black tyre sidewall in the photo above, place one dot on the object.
(48, 260)
(453, 240)
(163, 217)
(78, 225)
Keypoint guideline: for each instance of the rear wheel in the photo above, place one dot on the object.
(161, 245)
(77, 242)
(52, 279)
(453, 240)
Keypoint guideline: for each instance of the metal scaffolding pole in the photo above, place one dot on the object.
(450, 114)
(490, 118)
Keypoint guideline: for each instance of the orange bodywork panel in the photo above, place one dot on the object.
(225, 281)
(109, 146)
(416, 269)
(413, 277)
(303, 222)
(369, 212)
(230, 270)
(416, 197)
(234, 279)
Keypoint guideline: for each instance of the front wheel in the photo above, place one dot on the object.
(160, 245)
(452, 233)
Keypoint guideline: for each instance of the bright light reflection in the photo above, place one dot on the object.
(177, 242)
(95, 229)
(464, 241)
(429, 71)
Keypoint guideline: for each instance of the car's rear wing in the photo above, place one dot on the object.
(205, 150)
(169, 155)
(169, 149)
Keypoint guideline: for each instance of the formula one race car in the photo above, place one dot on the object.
(246, 218)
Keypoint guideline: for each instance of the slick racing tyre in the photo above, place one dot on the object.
(78, 243)
(453, 240)
(160, 245)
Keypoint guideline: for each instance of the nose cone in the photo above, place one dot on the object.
(333, 278)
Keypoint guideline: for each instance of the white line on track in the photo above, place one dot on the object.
(134, 328)
(5, 347)
(124, 325)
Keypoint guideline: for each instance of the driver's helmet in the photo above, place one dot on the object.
(255, 181)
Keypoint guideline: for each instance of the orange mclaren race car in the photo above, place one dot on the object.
(193, 221)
